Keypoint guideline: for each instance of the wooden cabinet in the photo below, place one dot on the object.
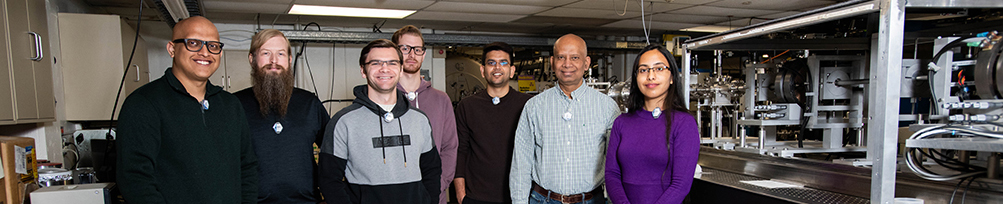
(234, 73)
(26, 63)
(94, 54)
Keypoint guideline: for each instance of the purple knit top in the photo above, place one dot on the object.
(638, 167)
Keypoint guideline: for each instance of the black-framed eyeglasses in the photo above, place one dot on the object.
(657, 69)
(406, 49)
(374, 63)
(195, 45)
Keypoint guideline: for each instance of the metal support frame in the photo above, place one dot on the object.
(883, 107)
(885, 71)
(830, 13)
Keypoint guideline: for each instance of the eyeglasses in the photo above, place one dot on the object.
(418, 50)
(195, 45)
(657, 69)
(497, 64)
(374, 63)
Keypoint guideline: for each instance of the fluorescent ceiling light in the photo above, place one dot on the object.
(709, 29)
(349, 11)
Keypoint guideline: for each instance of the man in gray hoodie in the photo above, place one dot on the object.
(367, 145)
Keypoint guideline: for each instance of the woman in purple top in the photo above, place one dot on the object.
(653, 148)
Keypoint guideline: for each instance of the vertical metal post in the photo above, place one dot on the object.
(686, 73)
(741, 136)
(883, 106)
(751, 87)
(963, 156)
(762, 137)
(699, 117)
(714, 122)
(993, 168)
(860, 137)
(832, 138)
(942, 79)
(717, 63)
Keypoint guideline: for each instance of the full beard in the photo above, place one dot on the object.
(272, 90)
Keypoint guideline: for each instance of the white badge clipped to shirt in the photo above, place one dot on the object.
(657, 112)
(495, 100)
(388, 117)
(277, 127)
(205, 104)
(411, 96)
(567, 115)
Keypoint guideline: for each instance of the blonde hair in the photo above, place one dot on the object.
(262, 36)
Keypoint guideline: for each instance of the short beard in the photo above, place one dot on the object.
(272, 91)
(409, 71)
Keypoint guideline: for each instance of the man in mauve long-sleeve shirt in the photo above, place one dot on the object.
(434, 103)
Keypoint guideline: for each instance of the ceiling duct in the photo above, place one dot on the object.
(173, 10)
(455, 40)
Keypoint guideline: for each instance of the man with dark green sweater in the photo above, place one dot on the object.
(182, 139)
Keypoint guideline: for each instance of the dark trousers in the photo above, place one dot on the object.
(468, 200)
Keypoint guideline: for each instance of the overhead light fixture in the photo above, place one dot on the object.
(349, 11)
(177, 9)
(708, 29)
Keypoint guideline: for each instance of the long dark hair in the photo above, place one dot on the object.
(673, 98)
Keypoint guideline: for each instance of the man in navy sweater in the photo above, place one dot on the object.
(284, 122)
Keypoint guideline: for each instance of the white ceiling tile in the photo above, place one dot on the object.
(485, 8)
(779, 15)
(687, 18)
(771, 4)
(721, 11)
(587, 13)
(655, 25)
(248, 7)
(383, 4)
(631, 6)
(548, 3)
(469, 17)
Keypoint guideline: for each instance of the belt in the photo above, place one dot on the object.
(574, 198)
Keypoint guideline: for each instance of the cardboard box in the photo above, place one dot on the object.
(19, 168)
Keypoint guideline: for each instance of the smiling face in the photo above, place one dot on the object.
(654, 84)
(272, 58)
(382, 77)
(497, 68)
(412, 61)
(195, 66)
(570, 60)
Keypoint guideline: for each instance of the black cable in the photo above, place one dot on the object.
(930, 77)
(312, 23)
(966, 190)
(110, 147)
(337, 100)
(956, 190)
(118, 94)
(306, 60)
